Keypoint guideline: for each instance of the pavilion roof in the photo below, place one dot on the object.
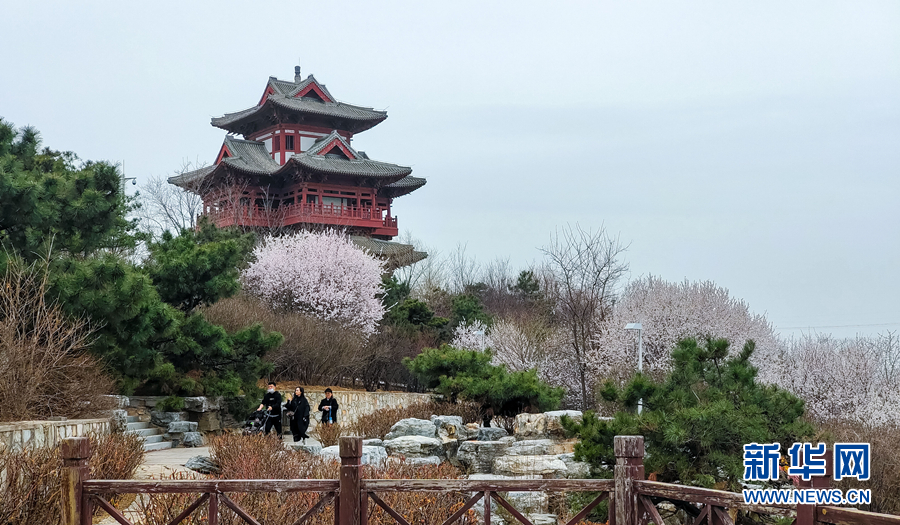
(403, 186)
(284, 95)
(252, 158)
(396, 254)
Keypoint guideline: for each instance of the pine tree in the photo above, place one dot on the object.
(697, 420)
(469, 375)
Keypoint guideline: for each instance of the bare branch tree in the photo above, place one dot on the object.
(587, 268)
(165, 206)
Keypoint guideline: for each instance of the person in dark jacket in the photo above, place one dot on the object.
(271, 403)
(298, 409)
(329, 408)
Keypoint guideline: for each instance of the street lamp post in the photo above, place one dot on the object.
(639, 328)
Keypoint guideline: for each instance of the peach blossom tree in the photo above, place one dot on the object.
(322, 274)
(670, 312)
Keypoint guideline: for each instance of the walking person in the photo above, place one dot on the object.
(298, 408)
(329, 408)
(271, 402)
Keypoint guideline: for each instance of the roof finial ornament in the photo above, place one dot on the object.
(297, 76)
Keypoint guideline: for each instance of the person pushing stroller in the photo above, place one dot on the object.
(271, 403)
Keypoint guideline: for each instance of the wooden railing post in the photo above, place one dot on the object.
(75, 506)
(806, 513)
(629, 467)
(350, 494)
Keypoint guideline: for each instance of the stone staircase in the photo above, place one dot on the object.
(153, 436)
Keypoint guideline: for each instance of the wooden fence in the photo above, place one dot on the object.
(632, 499)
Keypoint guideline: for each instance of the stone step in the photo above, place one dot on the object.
(132, 419)
(162, 445)
(145, 431)
(153, 439)
(137, 425)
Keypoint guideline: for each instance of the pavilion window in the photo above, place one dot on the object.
(289, 143)
(312, 199)
(288, 202)
(276, 143)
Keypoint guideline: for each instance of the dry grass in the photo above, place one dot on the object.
(42, 354)
(30, 483)
(379, 423)
(885, 464)
(328, 434)
(313, 351)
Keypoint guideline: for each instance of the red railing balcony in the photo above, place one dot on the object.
(373, 219)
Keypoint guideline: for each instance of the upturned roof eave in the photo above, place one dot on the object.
(231, 122)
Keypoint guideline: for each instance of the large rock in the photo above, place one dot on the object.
(450, 428)
(192, 439)
(203, 465)
(181, 427)
(529, 465)
(542, 519)
(530, 447)
(575, 469)
(528, 502)
(430, 460)
(478, 456)
(309, 449)
(413, 446)
(491, 433)
(530, 426)
(202, 403)
(554, 421)
(119, 418)
(209, 421)
(412, 427)
(162, 419)
(370, 455)
(374, 442)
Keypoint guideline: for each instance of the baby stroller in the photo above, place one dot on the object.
(256, 423)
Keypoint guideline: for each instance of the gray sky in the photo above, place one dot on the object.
(755, 144)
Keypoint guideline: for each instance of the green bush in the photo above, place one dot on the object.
(469, 375)
(170, 404)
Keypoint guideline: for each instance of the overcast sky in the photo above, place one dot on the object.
(755, 144)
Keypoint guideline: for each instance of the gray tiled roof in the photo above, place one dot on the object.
(403, 186)
(361, 165)
(251, 156)
(397, 254)
(284, 97)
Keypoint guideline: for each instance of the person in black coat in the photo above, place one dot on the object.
(271, 402)
(329, 408)
(298, 408)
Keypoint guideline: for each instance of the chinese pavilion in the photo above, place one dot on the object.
(293, 166)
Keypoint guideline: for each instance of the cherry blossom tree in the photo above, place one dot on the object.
(321, 274)
(669, 312)
(471, 336)
(850, 379)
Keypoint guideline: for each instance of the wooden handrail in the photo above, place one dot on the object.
(718, 498)
(480, 485)
(209, 486)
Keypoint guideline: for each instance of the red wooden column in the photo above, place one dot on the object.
(629, 467)
(351, 505)
(806, 514)
(75, 506)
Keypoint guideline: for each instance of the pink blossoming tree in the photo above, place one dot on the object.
(673, 311)
(322, 274)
